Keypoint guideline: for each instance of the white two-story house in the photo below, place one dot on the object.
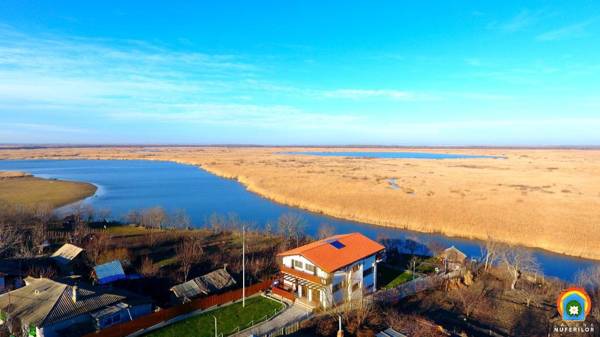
(330, 271)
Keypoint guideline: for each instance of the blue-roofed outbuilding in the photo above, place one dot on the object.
(109, 272)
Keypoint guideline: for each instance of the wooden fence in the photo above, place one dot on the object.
(144, 322)
(284, 294)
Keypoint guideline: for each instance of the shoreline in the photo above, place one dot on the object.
(252, 184)
(250, 187)
(57, 193)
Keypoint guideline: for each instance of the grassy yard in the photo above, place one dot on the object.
(390, 277)
(29, 191)
(228, 318)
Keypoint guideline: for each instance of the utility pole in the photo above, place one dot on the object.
(216, 333)
(340, 332)
(243, 265)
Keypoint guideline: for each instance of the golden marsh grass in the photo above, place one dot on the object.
(24, 189)
(545, 198)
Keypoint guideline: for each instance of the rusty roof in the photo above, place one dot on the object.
(335, 252)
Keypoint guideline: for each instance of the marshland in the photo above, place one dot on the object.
(541, 198)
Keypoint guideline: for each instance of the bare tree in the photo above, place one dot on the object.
(355, 313)
(590, 280)
(104, 214)
(413, 325)
(325, 230)
(189, 252)
(180, 219)
(154, 217)
(133, 217)
(43, 213)
(490, 253)
(39, 235)
(518, 261)
(468, 299)
(10, 238)
(82, 212)
(148, 268)
(97, 244)
(291, 226)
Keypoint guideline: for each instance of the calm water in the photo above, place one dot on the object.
(126, 185)
(392, 155)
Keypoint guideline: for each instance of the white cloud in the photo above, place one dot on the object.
(369, 93)
(521, 21)
(570, 31)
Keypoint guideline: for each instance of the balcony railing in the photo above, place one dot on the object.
(305, 276)
(287, 294)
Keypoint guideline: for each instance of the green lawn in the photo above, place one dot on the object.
(391, 277)
(228, 318)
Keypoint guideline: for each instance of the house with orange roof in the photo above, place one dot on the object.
(330, 271)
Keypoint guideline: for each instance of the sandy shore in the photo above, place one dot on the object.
(13, 174)
(545, 198)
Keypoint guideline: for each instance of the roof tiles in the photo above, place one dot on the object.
(335, 252)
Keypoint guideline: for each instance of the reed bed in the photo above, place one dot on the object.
(545, 198)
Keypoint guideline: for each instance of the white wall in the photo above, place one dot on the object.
(287, 261)
(328, 298)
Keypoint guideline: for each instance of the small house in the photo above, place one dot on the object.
(47, 308)
(211, 283)
(109, 272)
(66, 254)
(453, 258)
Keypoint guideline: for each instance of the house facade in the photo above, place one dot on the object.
(330, 271)
(47, 308)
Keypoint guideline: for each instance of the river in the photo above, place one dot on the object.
(136, 184)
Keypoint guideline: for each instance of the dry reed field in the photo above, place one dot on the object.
(545, 198)
(23, 189)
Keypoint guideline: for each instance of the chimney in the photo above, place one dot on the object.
(74, 293)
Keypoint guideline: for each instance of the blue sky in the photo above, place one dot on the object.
(300, 72)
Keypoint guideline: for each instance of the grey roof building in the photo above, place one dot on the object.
(212, 282)
(46, 308)
(66, 254)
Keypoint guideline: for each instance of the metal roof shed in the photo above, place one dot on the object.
(109, 272)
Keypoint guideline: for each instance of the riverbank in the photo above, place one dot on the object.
(543, 198)
(24, 189)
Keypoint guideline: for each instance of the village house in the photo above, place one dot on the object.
(14, 270)
(212, 283)
(330, 271)
(452, 258)
(47, 308)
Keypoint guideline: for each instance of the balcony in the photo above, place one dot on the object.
(306, 276)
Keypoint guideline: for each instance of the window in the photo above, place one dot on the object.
(298, 264)
(355, 286)
(310, 268)
(336, 244)
(336, 287)
(368, 272)
(355, 268)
